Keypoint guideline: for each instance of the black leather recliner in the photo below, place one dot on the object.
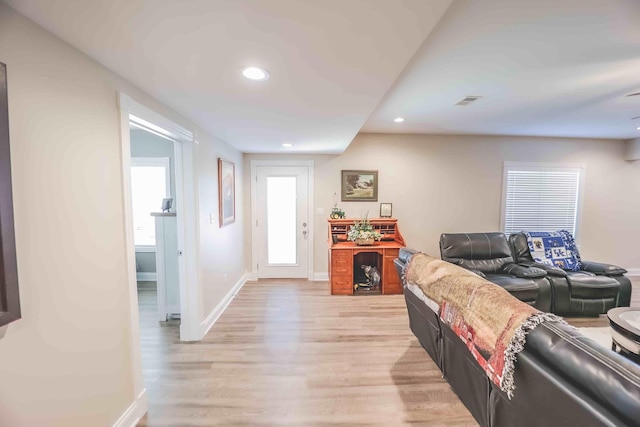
(489, 256)
(591, 291)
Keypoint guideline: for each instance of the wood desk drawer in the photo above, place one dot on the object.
(341, 282)
(342, 269)
(346, 262)
(341, 256)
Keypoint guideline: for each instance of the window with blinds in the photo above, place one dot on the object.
(539, 198)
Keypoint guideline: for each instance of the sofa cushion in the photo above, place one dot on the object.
(523, 289)
(556, 248)
(485, 252)
(589, 286)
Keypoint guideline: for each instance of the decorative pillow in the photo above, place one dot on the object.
(556, 248)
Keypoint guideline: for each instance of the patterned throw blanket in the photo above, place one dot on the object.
(492, 323)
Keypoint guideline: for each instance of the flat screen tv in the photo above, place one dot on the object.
(9, 295)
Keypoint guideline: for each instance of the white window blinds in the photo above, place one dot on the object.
(540, 198)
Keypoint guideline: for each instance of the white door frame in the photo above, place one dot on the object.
(186, 199)
(310, 165)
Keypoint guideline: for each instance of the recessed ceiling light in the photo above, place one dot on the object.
(398, 120)
(287, 145)
(255, 73)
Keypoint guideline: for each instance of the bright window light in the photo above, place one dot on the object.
(149, 185)
(281, 220)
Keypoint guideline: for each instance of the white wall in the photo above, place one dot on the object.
(222, 249)
(67, 361)
(453, 184)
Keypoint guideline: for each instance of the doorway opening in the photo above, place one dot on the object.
(155, 229)
(167, 239)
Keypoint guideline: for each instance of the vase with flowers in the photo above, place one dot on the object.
(363, 233)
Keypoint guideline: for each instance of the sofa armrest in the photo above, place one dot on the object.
(602, 269)
(549, 269)
(406, 254)
(524, 272)
(479, 273)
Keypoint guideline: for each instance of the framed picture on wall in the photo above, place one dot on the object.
(9, 294)
(359, 186)
(226, 191)
(385, 210)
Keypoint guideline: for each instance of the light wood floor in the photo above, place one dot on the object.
(285, 352)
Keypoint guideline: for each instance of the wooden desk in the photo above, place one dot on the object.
(345, 257)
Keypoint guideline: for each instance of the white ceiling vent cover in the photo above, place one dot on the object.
(468, 100)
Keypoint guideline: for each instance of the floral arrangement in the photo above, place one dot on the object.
(362, 230)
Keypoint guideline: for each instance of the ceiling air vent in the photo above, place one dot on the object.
(468, 100)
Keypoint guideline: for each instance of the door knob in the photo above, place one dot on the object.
(304, 224)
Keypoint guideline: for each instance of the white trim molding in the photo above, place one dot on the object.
(215, 314)
(173, 310)
(633, 272)
(145, 118)
(134, 412)
(146, 276)
(321, 277)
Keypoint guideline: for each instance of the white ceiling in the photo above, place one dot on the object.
(545, 67)
(331, 61)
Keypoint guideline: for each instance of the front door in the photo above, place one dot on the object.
(282, 205)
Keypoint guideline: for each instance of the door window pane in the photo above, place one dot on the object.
(148, 188)
(281, 220)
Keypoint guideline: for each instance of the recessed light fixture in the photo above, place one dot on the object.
(398, 120)
(287, 145)
(255, 73)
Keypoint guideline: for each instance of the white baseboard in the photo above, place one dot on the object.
(147, 277)
(134, 412)
(215, 314)
(320, 277)
(173, 309)
(253, 275)
(633, 272)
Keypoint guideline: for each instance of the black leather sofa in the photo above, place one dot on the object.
(489, 256)
(591, 291)
(562, 378)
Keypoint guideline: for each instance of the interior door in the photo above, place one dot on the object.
(282, 203)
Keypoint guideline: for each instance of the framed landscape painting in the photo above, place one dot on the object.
(359, 186)
(226, 191)
(9, 294)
